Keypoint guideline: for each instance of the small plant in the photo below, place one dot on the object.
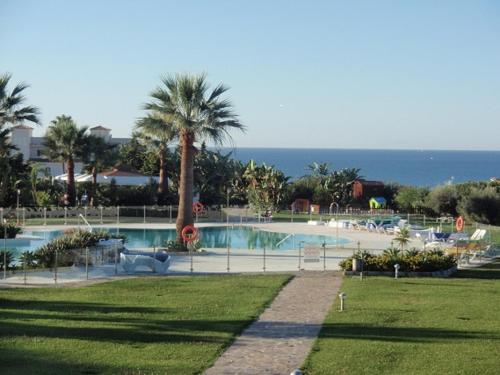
(174, 246)
(403, 238)
(28, 259)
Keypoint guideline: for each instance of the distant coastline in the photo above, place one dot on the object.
(409, 167)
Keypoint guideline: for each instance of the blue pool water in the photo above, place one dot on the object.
(211, 237)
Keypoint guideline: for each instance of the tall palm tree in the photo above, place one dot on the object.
(66, 142)
(5, 148)
(157, 132)
(11, 109)
(196, 113)
(99, 155)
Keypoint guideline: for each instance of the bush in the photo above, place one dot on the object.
(482, 205)
(443, 200)
(12, 230)
(409, 261)
(9, 259)
(71, 240)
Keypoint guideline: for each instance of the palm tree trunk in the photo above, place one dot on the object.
(71, 182)
(185, 211)
(163, 184)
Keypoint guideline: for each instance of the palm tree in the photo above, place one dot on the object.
(5, 165)
(319, 169)
(403, 237)
(99, 155)
(65, 141)
(157, 132)
(11, 109)
(196, 113)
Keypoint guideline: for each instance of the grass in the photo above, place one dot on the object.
(413, 326)
(176, 325)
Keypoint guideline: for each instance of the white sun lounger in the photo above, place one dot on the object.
(130, 262)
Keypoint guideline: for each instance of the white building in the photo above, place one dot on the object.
(32, 147)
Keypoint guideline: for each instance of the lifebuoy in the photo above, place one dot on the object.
(197, 207)
(189, 233)
(459, 224)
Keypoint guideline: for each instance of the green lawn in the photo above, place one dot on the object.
(414, 326)
(175, 325)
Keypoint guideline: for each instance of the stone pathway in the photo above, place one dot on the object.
(280, 340)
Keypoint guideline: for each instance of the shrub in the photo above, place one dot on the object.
(482, 205)
(71, 240)
(9, 258)
(12, 230)
(410, 261)
(443, 200)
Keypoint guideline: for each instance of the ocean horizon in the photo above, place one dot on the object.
(407, 167)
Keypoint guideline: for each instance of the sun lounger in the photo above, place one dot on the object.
(157, 262)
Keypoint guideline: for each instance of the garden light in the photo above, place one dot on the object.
(342, 297)
(396, 271)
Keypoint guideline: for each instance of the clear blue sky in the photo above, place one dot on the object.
(363, 74)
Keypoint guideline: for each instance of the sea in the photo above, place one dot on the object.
(407, 167)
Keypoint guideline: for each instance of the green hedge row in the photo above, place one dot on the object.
(409, 261)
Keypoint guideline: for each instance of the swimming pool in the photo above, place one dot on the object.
(211, 237)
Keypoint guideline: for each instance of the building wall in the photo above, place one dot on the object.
(21, 138)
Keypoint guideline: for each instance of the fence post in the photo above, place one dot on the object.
(55, 267)
(264, 259)
(154, 258)
(424, 220)
(65, 215)
(45, 216)
(228, 246)
(117, 214)
(190, 258)
(24, 267)
(87, 262)
(116, 258)
(144, 214)
(24, 216)
(170, 214)
(300, 254)
(324, 256)
(1, 214)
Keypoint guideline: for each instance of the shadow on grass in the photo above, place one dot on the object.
(18, 361)
(76, 307)
(488, 271)
(401, 334)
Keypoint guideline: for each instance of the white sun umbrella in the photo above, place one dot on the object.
(64, 177)
(84, 178)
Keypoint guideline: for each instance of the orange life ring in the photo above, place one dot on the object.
(197, 207)
(189, 233)
(459, 224)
